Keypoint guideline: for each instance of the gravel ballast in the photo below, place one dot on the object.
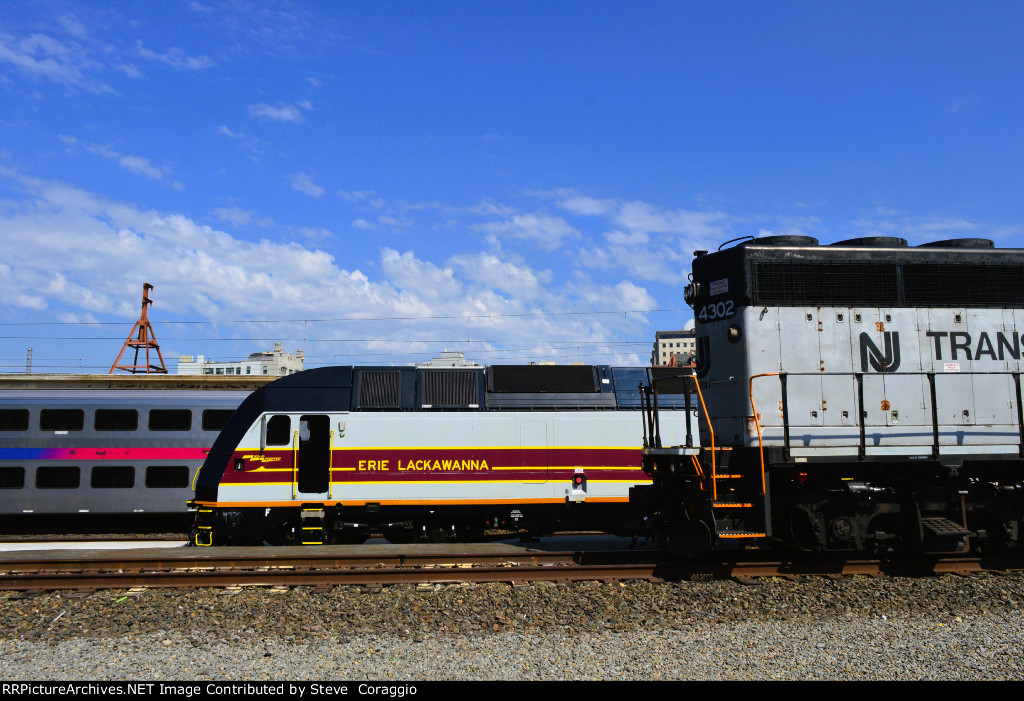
(944, 627)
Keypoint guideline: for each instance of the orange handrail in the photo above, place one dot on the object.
(700, 472)
(711, 433)
(757, 422)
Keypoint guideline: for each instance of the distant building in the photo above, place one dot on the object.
(275, 362)
(682, 344)
(450, 359)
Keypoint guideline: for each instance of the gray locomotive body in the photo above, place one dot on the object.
(860, 396)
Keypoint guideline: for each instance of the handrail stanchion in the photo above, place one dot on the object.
(689, 431)
(757, 423)
(783, 377)
(1020, 414)
(295, 465)
(935, 416)
(641, 391)
(657, 418)
(862, 450)
(711, 436)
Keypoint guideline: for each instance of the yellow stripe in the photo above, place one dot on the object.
(413, 502)
(559, 467)
(490, 467)
(412, 483)
(378, 448)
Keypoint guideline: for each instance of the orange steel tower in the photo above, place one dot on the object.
(146, 339)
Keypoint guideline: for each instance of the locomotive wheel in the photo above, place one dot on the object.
(685, 538)
(349, 537)
(280, 535)
(397, 537)
(803, 533)
(439, 534)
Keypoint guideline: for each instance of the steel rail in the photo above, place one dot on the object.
(311, 558)
(332, 569)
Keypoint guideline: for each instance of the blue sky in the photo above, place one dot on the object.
(375, 182)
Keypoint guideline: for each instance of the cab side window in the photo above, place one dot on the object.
(279, 430)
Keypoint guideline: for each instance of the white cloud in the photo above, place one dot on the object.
(964, 103)
(946, 225)
(42, 57)
(225, 131)
(395, 222)
(431, 282)
(520, 282)
(491, 208)
(303, 183)
(14, 292)
(241, 217)
(176, 58)
(138, 164)
(280, 113)
(641, 216)
(923, 229)
(234, 215)
(201, 272)
(586, 205)
(546, 231)
(646, 262)
(623, 295)
(355, 195)
(73, 26)
(133, 164)
(316, 233)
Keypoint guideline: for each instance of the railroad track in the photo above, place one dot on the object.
(329, 566)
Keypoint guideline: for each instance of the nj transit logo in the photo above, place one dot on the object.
(879, 361)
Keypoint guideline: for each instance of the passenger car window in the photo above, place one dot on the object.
(116, 420)
(12, 477)
(214, 419)
(167, 476)
(170, 420)
(61, 419)
(58, 477)
(13, 419)
(112, 477)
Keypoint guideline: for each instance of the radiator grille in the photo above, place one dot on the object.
(379, 389)
(879, 284)
(826, 284)
(964, 285)
(451, 389)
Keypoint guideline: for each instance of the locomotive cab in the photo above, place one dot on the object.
(860, 396)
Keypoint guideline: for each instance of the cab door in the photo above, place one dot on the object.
(313, 455)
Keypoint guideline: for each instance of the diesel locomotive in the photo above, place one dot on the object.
(333, 454)
(863, 396)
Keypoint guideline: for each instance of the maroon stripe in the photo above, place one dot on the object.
(455, 464)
